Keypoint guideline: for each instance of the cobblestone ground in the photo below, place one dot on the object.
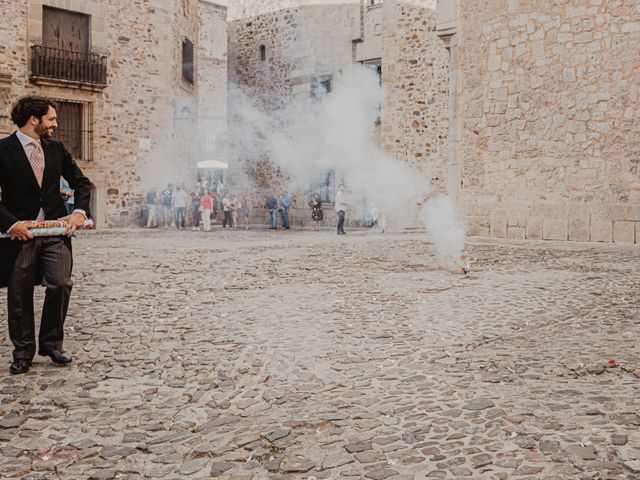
(299, 355)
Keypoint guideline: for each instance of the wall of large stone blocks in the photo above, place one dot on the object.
(415, 76)
(143, 122)
(549, 107)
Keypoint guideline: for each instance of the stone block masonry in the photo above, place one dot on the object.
(548, 119)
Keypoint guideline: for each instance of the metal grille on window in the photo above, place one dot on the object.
(187, 60)
(65, 30)
(324, 185)
(74, 128)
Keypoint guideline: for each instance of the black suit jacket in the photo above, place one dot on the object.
(22, 197)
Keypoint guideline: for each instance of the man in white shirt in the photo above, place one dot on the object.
(341, 208)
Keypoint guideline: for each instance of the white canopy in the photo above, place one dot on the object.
(213, 165)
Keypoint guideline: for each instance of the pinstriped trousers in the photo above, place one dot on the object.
(50, 257)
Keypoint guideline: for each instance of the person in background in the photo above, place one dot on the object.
(221, 190)
(235, 205)
(206, 205)
(245, 206)
(316, 211)
(215, 206)
(179, 203)
(195, 207)
(271, 204)
(67, 195)
(227, 205)
(285, 203)
(341, 208)
(152, 203)
(167, 197)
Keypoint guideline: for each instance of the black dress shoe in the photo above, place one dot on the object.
(21, 365)
(57, 356)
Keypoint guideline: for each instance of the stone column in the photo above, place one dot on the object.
(447, 30)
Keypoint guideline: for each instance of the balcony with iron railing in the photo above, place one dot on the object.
(59, 66)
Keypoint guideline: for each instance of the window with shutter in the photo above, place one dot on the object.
(75, 128)
(65, 30)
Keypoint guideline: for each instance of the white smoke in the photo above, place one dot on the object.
(336, 132)
(446, 230)
(307, 137)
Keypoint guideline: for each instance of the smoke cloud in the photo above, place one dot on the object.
(446, 230)
(333, 132)
(336, 132)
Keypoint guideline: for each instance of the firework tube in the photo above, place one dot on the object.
(49, 228)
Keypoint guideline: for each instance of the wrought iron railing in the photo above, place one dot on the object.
(76, 67)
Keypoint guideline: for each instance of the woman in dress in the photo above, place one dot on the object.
(316, 211)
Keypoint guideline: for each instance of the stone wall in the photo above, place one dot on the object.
(143, 121)
(550, 145)
(415, 76)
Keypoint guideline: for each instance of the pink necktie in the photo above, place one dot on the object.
(37, 162)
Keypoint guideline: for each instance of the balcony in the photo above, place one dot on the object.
(65, 67)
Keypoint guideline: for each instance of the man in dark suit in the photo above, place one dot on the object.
(30, 168)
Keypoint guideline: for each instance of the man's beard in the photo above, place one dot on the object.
(44, 132)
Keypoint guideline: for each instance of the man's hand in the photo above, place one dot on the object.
(20, 232)
(75, 221)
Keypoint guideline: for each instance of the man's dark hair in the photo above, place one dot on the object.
(31, 105)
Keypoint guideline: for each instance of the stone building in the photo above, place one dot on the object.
(287, 51)
(525, 112)
(127, 77)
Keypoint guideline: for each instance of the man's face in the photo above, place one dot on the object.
(46, 124)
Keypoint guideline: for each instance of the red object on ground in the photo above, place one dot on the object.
(612, 362)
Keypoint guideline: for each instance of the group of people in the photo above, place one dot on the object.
(280, 206)
(170, 207)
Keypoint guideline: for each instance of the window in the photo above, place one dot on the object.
(65, 53)
(187, 60)
(263, 53)
(321, 86)
(65, 30)
(324, 185)
(75, 120)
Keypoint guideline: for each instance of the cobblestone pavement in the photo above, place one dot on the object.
(298, 355)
